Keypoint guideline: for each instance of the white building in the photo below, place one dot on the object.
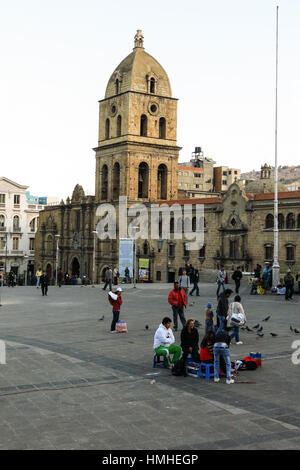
(18, 225)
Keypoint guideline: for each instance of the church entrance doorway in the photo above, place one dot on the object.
(75, 267)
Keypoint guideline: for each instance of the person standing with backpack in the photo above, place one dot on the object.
(115, 299)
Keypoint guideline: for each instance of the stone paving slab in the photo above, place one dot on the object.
(69, 384)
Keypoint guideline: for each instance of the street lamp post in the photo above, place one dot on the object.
(5, 264)
(57, 238)
(276, 267)
(94, 255)
(134, 275)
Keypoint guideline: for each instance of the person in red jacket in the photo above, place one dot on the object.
(115, 299)
(177, 298)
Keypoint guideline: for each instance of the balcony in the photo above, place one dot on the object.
(3, 229)
(16, 229)
(17, 252)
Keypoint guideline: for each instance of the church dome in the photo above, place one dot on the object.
(139, 72)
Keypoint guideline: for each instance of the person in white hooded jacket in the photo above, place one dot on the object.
(164, 343)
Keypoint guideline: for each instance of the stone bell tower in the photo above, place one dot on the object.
(137, 153)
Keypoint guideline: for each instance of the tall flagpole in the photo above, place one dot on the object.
(276, 267)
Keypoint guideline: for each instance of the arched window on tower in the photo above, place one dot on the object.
(152, 85)
(117, 86)
(162, 182)
(119, 126)
(107, 129)
(290, 221)
(281, 221)
(162, 128)
(270, 221)
(116, 180)
(104, 182)
(143, 127)
(143, 180)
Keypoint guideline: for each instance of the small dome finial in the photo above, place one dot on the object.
(139, 39)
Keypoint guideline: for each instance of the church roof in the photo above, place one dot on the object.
(135, 70)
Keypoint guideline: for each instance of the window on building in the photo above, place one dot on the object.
(186, 251)
(116, 180)
(290, 253)
(235, 172)
(119, 126)
(31, 244)
(229, 172)
(202, 252)
(152, 85)
(270, 221)
(104, 182)
(143, 178)
(281, 221)
(158, 275)
(162, 128)
(32, 225)
(16, 199)
(117, 86)
(2, 198)
(298, 221)
(145, 248)
(290, 221)
(143, 126)
(224, 182)
(2, 221)
(224, 173)
(107, 129)
(172, 225)
(197, 175)
(232, 248)
(171, 250)
(15, 243)
(16, 222)
(2, 243)
(162, 182)
(269, 252)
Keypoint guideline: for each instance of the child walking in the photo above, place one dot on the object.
(209, 315)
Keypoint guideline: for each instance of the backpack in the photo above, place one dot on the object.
(249, 363)
(178, 368)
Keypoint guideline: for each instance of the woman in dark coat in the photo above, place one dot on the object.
(190, 341)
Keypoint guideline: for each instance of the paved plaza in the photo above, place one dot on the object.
(70, 384)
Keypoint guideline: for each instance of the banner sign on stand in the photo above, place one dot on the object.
(144, 269)
(126, 256)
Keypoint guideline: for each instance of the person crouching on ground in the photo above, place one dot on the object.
(115, 299)
(164, 343)
(221, 349)
(190, 341)
(177, 298)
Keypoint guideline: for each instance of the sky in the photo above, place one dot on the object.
(57, 57)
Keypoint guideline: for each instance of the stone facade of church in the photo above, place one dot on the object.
(137, 157)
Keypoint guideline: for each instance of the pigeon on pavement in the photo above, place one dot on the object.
(102, 318)
(273, 334)
(260, 335)
(267, 318)
(147, 327)
(296, 331)
(248, 329)
(255, 326)
(291, 328)
(260, 329)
